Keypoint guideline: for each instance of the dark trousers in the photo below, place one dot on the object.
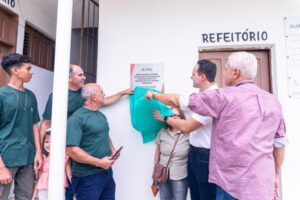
(198, 165)
(24, 183)
(223, 195)
(95, 187)
(69, 193)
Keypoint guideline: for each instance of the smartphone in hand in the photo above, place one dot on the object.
(115, 155)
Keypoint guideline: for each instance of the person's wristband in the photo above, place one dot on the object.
(166, 118)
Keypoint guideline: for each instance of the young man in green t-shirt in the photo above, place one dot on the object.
(20, 151)
(90, 147)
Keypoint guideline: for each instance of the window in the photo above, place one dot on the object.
(39, 47)
(84, 44)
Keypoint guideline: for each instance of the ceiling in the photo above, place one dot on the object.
(50, 7)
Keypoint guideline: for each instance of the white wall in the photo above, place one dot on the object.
(30, 11)
(41, 84)
(169, 32)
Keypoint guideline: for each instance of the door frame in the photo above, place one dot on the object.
(269, 47)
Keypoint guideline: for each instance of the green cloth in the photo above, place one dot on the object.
(75, 101)
(88, 130)
(141, 111)
(18, 113)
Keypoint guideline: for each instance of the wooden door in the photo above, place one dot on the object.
(263, 77)
(3, 75)
(8, 38)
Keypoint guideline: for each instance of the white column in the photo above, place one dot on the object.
(60, 98)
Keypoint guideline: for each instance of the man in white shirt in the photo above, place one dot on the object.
(199, 127)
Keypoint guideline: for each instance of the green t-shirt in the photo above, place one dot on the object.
(88, 130)
(18, 113)
(75, 101)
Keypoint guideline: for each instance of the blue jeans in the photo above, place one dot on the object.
(222, 195)
(173, 189)
(95, 187)
(69, 193)
(198, 165)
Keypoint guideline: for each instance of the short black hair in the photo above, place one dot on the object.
(14, 60)
(208, 68)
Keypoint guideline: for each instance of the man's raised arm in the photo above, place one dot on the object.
(116, 97)
(168, 99)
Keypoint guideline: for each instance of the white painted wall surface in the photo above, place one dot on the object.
(169, 32)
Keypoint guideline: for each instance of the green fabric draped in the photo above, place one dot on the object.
(141, 111)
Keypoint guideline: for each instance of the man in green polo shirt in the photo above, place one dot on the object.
(20, 151)
(75, 101)
(90, 147)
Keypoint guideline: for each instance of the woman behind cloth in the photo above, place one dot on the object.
(176, 186)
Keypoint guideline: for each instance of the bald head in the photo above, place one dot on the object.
(88, 90)
(76, 77)
(92, 93)
(73, 68)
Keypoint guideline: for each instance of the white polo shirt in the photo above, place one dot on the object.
(200, 137)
